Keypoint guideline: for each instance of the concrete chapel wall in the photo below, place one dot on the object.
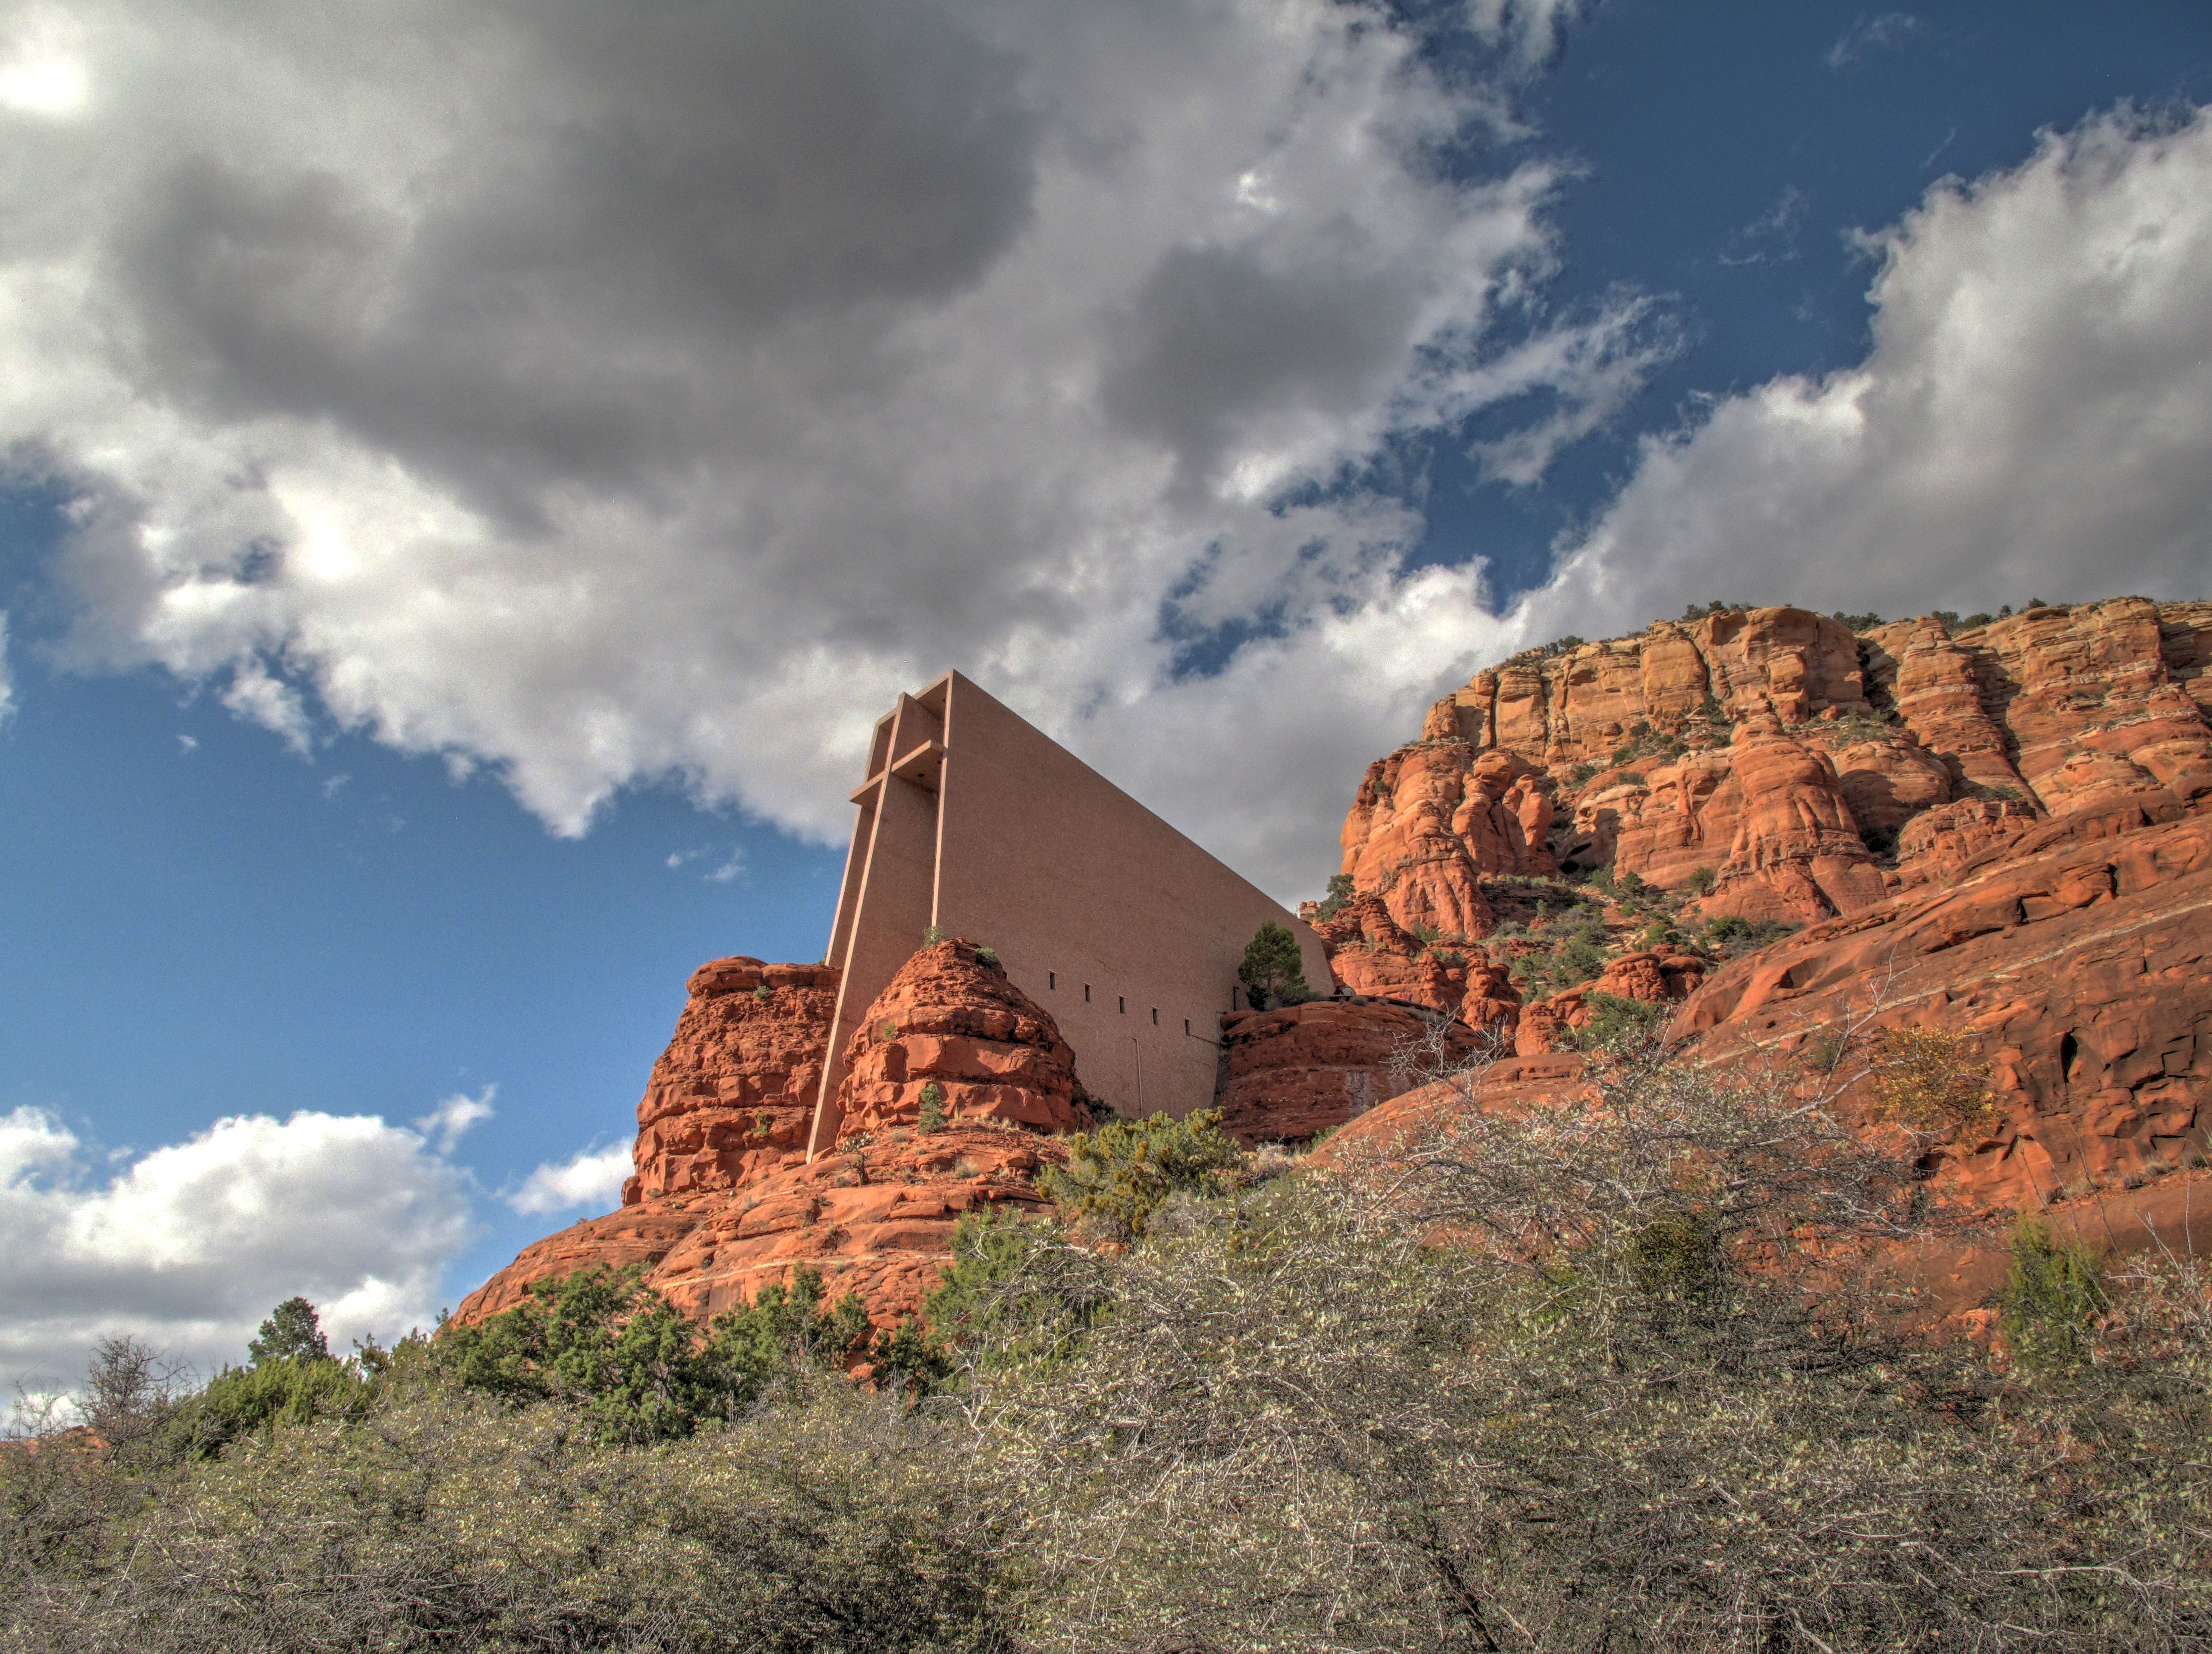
(1128, 933)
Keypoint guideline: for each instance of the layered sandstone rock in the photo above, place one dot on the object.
(875, 1217)
(1804, 771)
(642, 1232)
(1373, 955)
(2077, 960)
(952, 1031)
(725, 1201)
(1656, 976)
(2004, 833)
(733, 1093)
(1291, 1074)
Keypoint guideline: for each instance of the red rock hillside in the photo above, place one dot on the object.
(724, 1201)
(1769, 764)
(2033, 803)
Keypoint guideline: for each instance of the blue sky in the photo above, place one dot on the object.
(320, 817)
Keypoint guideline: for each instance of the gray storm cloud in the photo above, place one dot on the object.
(606, 396)
(610, 395)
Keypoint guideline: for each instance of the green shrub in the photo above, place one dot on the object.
(1702, 880)
(1618, 1022)
(1734, 935)
(1016, 1293)
(2051, 1298)
(447, 1524)
(241, 1401)
(1677, 1257)
(1117, 1177)
(1274, 969)
(1578, 959)
(633, 1366)
(932, 1108)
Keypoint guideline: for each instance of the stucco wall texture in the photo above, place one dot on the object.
(975, 821)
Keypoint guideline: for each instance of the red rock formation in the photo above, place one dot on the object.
(1371, 954)
(949, 1023)
(1407, 852)
(1621, 753)
(2078, 961)
(875, 1217)
(1795, 854)
(1656, 977)
(643, 1232)
(1293, 1073)
(723, 1203)
(733, 1093)
(2048, 781)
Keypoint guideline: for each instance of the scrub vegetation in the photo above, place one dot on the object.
(1622, 1375)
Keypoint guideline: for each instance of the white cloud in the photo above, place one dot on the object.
(1886, 32)
(445, 1124)
(603, 399)
(2032, 420)
(589, 1178)
(41, 73)
(7, 674)
(1531, 28)
(189, 1244)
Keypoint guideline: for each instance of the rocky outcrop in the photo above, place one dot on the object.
(642, 1232)
(2076, 960)
(1800, 771)
(725, 1199)
(2002, 832)
(875, 1217)
(1655, 977)
(1372, 955)
(733, 1093)
(1407, 852)
(1291, 1074)
(951, 1035)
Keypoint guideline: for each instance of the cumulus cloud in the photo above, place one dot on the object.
(2032, 419)
(189, 1246)
(589, 1178)
(610, 396)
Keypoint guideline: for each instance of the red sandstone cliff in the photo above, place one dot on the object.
(2045, 782)
(733, 1094)
(725, 1200)
(1795, 770)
